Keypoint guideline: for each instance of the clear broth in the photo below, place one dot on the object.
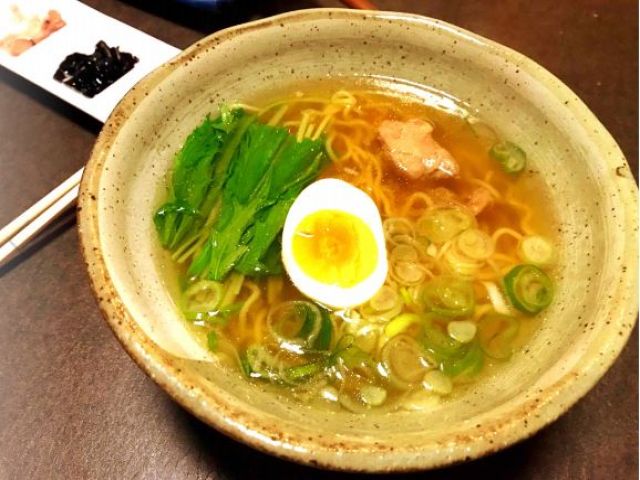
(467, 139)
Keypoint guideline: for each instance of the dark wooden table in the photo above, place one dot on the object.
(72, 403)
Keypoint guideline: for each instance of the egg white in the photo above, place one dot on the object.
(334, 194)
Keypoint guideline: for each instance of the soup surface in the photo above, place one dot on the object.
(463, 257)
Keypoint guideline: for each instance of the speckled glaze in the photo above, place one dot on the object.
(585, 173)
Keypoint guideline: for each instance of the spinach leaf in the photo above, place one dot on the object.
(199, 172)
(270, 170)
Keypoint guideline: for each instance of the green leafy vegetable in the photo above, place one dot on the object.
(270, 170)
(233, 183)
(198, 175)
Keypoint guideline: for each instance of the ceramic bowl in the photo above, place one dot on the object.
(586, 176)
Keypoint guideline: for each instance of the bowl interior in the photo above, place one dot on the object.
(585, 177)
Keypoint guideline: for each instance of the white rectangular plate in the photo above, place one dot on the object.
(85, 27)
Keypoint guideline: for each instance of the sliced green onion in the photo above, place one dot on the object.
(406, 296)
(302, 372)
(440, 345)
(356, 358)
(453, 357)
(420, 400)
(295, 322)
(345, 342)
(373, 395)
(397, 226)
(203, 296)
(384, 305)
(449, 296)
(401, 323)
(408, 273)
(404, 361)
(442, 224)
(212, 341)
(258, 362)
(385, 299)
(462, 330)
(325, 334)
(529, 289)
(366, 338)
(437, 382)
(245, 366)
(355, 405)
(403, 252)
(496, 334)
(510, 156)
(536, 250)
(467, 364)
(460, 264)
(352, 356)
(475, 244)
(220, 316)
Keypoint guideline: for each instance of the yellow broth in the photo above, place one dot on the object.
(465, 138)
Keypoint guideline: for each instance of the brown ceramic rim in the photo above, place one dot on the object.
(533, 415)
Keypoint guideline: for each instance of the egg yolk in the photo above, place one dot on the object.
(335, 247)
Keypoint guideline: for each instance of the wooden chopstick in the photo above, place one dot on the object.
(33, 220)
(39, 207)
(38, 216)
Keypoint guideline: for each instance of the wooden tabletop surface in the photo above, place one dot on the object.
(72, 403)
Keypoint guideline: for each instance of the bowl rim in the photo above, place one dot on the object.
(231, 419)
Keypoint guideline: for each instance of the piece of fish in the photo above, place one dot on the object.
(412, 148)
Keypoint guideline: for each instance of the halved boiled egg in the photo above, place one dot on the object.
(333, 244)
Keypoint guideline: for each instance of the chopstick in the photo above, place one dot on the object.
(33, 220)
(37, 217)
(39, 207)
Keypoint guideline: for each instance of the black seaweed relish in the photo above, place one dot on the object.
(91, 74)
